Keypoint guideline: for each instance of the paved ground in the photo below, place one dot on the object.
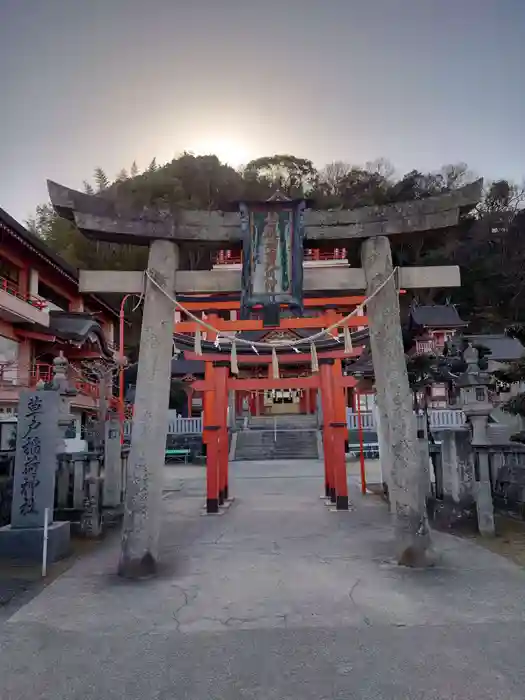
(278, 599)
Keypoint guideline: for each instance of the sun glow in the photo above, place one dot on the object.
(229, 151)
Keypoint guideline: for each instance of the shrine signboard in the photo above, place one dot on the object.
(272, 271)
(36, 458)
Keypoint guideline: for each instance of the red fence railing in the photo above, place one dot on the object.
(231, 257)
(13, 289)
(42, 371)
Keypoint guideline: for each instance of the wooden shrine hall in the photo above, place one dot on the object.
(275, 291)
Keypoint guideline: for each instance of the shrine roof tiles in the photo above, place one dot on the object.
(436, 316)
(73, 327)
(501, 346)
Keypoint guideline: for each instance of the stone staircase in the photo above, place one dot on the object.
(286, 437)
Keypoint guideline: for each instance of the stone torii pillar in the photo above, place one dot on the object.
(143, 504)
(406, 477)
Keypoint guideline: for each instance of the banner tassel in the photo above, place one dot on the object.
(233, 359)
(275, 365)
(348, 339)
(198, 342)
(315, 361)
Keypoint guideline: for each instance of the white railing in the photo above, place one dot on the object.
(447, 418)
(184, 426)
(439, 418)
(367, 420)
(177, 425)
(425, 346)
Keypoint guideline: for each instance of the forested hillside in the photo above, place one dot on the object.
(488, 247)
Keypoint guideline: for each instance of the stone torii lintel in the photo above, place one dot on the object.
(315, 280)
(103, 219)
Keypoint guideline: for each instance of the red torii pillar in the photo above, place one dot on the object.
(340, 399)
(210, 439)
(221, 372)
(212, 436)
(334, 434)
(325, 376)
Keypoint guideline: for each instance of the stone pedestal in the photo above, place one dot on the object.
(112, 488)
(26, 544)
(454, 507)
(474, 385)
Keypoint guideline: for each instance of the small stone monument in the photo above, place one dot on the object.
(37, 444)
(474, 387)
(112, 495)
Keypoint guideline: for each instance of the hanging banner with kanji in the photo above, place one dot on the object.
(272, 272)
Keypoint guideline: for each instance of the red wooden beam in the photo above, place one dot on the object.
(283, 383)
(255, 384)
(315, 302)
(257, 325)
(285, 358)
(35, 335)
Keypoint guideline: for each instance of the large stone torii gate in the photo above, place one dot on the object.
(103, 219)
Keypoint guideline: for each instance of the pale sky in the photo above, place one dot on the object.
(89, 83)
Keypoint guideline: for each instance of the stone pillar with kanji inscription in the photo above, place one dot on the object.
(39, 439)
(143, 504)
(406, 478)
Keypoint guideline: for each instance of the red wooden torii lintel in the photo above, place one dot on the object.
(203, 304)
(288, 358)
(257, 325)
(261, 383)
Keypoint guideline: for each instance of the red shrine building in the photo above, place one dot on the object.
(320, 311)
(42, 314)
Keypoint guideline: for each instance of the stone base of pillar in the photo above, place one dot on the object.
(26, 543)
(450, 515)
(137, 569)
(341, 503)
(485, 509)
(412, 537)
(212, 505)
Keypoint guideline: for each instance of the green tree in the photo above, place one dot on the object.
(101, 179)
(487, 245)
(293, 176)
(122, 175)
(514, 373)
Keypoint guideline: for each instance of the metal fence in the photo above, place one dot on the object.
(177, 425)
(439, 418)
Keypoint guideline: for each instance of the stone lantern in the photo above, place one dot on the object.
(474, 386)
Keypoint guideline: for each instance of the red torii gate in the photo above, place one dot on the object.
(215, 387)
(329, 381)
(331, 384)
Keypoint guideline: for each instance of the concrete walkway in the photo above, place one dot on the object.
(277, 599)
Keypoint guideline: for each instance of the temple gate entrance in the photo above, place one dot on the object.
(272, 235)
